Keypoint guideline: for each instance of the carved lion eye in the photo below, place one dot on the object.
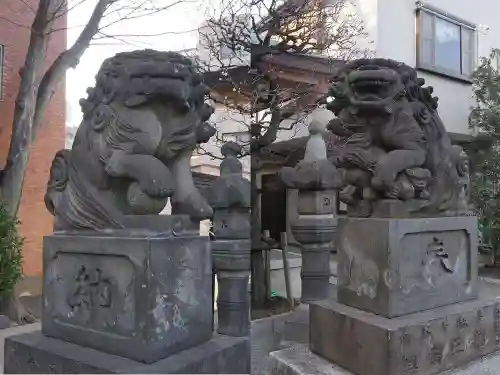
(101, 117)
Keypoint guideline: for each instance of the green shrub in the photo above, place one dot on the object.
(10, 252)
(485, 118)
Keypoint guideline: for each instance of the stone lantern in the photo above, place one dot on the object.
(315, 225)
(229, 197)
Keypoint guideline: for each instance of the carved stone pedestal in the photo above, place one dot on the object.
(407, 300)
(423, 343)
(348, 341)
(394, 267)
(407, 270)
(139, 298)
(233, 305)
(134, 299)
(419, 276)
(34, 353)
(299, 360)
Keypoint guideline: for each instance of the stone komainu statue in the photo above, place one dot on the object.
(392, 144)
(132, 151)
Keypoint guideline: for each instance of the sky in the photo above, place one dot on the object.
(174, 29)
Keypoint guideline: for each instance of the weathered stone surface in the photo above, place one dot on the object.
(423, 343)
(271, 333)
(297, 326)
(393, 267)
(392, 143)
(232, 224)
(34, 353)
(233, 303)
(132, 151)
(299, 360)
(322, 202)
(231, 255)
(231, 189)
(4, 322)
(143, 298)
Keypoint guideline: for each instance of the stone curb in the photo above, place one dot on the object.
(17, 330)
(490, 280)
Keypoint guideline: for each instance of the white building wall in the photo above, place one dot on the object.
(231, 126)
(299, 128)
(395, 37)
(391, 27)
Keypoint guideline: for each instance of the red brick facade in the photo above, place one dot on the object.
(35, 220)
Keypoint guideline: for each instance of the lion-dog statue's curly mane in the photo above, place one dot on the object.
(132, 151)
(388, 125)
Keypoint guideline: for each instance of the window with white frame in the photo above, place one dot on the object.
(445, 44)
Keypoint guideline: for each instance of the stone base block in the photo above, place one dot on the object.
(424, 343)
(34, 353)
(297, 326)
(393, 267)
(299, 360)
(133, 295)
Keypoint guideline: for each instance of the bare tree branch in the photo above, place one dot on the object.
(17, 156)
(68, 59)
(235, 38)
(230, 37)
(37, 86)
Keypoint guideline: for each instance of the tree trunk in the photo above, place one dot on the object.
(12, 177)
(35, 92)
(259, 279)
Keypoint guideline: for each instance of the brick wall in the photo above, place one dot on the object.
(14, 36)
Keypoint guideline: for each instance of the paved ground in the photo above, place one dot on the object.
(300, 361)
(489, 287)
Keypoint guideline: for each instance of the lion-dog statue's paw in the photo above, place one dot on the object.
(158, 185)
